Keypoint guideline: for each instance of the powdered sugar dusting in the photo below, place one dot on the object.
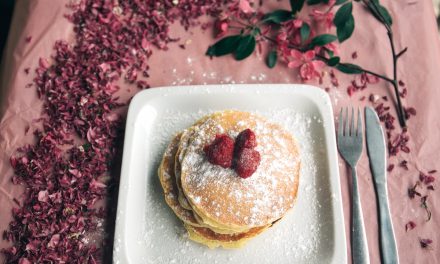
(302, 236)
(266, 197)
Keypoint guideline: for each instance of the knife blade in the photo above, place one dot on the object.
(377, 156)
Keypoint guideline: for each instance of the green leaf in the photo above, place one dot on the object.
(340, 2)
(384, 12)
(343, 14)
(305, 32)
(333, 61)
(245, 47)
(330, 53)
(224, 46)
(345, 30)
(296, 5)
(314, 2)
(256, 31)
(344, 22)
(278, 16)
(380, 12)
(271, 59)
(349, 68)
(322, 40)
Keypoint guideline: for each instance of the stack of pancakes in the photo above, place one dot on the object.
(218, 207)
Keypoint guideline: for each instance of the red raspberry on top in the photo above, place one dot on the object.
(246, 162)
(220, 151)
(246, 139)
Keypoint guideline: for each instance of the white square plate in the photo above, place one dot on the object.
(147, 230)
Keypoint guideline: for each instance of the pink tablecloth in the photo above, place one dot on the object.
(414, 27)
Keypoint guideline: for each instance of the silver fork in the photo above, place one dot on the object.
(350, 147)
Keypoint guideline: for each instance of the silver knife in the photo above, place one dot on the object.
(377, 154)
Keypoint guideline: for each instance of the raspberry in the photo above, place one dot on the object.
(246, 139)
(246, 162)
(220, 151)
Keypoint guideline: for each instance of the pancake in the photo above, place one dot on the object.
(211, 239)
(167, 180)
(219, 196)
(184, 137)
(218, 207)
(203, 233)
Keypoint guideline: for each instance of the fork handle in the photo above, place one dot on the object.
(359, 248)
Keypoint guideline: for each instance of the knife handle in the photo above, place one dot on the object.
(359, 247)
(387, 239)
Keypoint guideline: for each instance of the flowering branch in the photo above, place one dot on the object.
(296, 41)
(375, 8)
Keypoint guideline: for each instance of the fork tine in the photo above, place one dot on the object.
(359, 124)
(347, 123)
(341, 125)
(352, 132)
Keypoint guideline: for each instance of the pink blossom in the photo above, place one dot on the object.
(326, 18)
(282, 36)
(221, 28)
(308, 68)
(297, 23)
(332, 46)
(245, 7)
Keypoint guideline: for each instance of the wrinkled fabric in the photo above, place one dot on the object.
(414, 27)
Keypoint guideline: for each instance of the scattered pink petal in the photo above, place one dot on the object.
(54, 241)
(390, 167)
(410, 226)
(43, 196)
(425, 243)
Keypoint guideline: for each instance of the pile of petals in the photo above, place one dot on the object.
(67, 170)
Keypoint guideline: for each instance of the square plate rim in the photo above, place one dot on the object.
(315, 94)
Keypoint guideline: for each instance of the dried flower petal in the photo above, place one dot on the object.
(410, 225)
(76, 143)
(425, 243)
(390, 167)
(404, 164)
(412, 192)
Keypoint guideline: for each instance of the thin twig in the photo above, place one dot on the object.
(402, 52)
(383, 77)
(375, 9)
(400, 111)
